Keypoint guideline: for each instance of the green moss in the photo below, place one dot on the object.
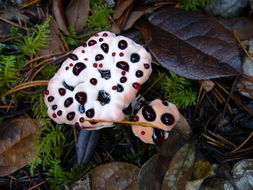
(193, 5)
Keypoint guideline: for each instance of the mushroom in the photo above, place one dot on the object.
(98, 81)
(162, 114)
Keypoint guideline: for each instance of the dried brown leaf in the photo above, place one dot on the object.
(16, 138)
(58, 12)
(193, 45)
(120, 8)
(114, 176)
(77, 13)
(180, 169)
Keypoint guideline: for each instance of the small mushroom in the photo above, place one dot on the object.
(161, 114)
(97, 81)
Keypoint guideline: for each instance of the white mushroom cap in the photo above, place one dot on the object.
(97, 81)
(161, 114)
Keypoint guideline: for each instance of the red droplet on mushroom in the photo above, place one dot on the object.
(50, 98)
(67, 68)
(77, 124)
(81, 97)
(59, 113)
(114, 87)
(123, 65)
(135, 118)
(62, 91)
(105, 34)
(123, 79)
(84, 45)
(123, 73)
(54, 115)
(73, 57)
(77, 69)
(142, 132)
(99, 57)
(93, 81)
(100, 65)
(91, 42)
(46, 92)
(83, 51)
(146, 66)
(85, 59)
(95, 65)
(121, 54)
(100, 39)
(96, 35)
(137, 86)
(71, 64)
(113, 54)
(81, 119)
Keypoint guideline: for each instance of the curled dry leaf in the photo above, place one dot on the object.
(59, 15)
(77, 13)
(153, 171)
(16, 138)
(180, 169)
(192, 45)
(114, 176)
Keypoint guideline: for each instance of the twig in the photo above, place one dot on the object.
(12, 23)
(244, 142)
(36, 186)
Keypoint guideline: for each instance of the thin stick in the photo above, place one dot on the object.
(244, 142)
(12, 23)
(6, 106)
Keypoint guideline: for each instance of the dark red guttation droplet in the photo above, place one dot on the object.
(114, 87)
(105, 34)
(67, 68)
(62, 91)
(54, 115)
(84, 45)
(137, 86)
(99, 57)
(148, 113)
(81, 119)
(139, 74)
(93, 81)
(71, 64)
(90, 113)
(120, 88)
(158, 136)
(113, 54)
(96, 35)
(50, 98)
(59, 113)
(95, 65)
(71, 115)
(128, 110)
(46, 92)
(135, 118)
(78, 68)
(54, 107)
(73, 57)
(146, 66)
(91, 42)
(100, 65)
(143, 133)
(105, 47)
(167, 119)
(122, 44)
(123, 65)
(123, 72)
(123, 79)
(83, 51)
(103, 97)
(134, 58)
(165, 103)
(68, 102)
(81, 97)
(121, 54)
(100, 39)
(77, 124)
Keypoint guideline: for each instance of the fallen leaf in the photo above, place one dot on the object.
(77, 13)
(192, 45)
(153, 171)
(135, 15)
(241, 25)
(114, 176)
(16, 138)
(180, 169)
(121, 7)
(58, 12)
